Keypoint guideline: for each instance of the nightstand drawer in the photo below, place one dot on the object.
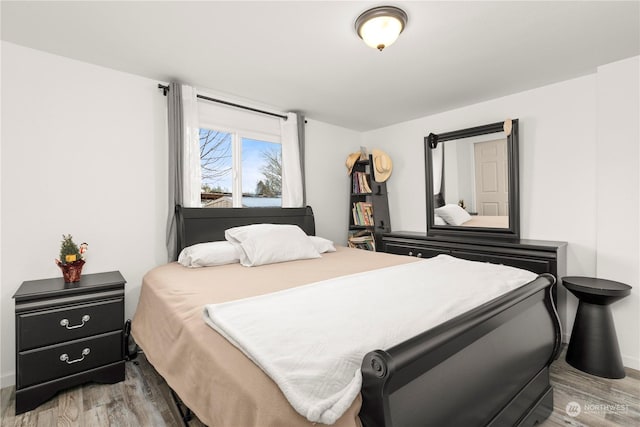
(69, 323)
(56, 361)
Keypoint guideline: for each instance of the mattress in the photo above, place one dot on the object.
(488, 221)
(215, 379)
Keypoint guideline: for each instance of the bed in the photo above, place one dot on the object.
(487, 221)
(487, 366)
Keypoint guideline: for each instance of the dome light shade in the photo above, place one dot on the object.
(380, 27)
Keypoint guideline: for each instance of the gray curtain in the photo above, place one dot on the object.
(176, 142)
(301, 123)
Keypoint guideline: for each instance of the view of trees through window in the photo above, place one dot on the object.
(261, 170)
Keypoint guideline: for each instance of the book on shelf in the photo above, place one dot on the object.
(362, 239)
(362, 213)
(360, 183)
(364, 186)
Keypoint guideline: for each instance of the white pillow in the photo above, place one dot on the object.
(453, 214)
(437, 220)
(209, 254)
(322, 245)
(270, 243)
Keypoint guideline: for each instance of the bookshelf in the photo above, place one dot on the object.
(368, 208)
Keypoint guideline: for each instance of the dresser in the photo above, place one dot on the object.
(538, 256)
(68, 334)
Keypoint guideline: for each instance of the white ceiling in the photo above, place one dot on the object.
(306, 55)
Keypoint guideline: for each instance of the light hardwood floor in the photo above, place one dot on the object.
(142, 400)
(603, 402)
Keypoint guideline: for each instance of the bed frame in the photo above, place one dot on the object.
(486, 367)
(199, 225)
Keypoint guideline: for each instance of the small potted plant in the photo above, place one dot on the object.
(71, 259)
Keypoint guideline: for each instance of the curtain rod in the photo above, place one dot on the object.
(165, 89)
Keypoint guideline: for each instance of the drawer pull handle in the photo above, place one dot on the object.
(65, 357)
(65, 322)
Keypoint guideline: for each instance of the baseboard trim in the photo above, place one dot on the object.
(631, 362)
(627, 361)
(8, 380)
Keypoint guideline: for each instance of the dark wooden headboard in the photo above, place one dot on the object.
(199, 225)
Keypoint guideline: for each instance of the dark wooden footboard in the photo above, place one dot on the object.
(488, 366)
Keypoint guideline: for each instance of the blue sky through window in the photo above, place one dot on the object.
(216, 159)
(217, 162)
(253, 162)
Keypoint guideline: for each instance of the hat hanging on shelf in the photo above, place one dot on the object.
(351, 160)
(382, 165)
(507, 126)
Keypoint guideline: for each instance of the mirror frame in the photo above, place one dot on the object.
(513, 232)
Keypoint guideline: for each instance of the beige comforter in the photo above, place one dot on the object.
(219, 383)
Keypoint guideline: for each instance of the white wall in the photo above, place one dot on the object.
(561, 139)
(618, 178)
(327, 182)
(84, 152)
(2, 304)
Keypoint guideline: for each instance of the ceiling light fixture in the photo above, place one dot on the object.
(380, 27)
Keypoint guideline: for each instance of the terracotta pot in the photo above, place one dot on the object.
(71, 271)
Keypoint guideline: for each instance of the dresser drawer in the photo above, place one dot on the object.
(537, 266)
(48, 363)
(417, 251)
(68, 323)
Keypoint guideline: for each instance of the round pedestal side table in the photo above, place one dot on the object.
(593, 347)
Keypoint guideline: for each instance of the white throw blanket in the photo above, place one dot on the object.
(311, 339)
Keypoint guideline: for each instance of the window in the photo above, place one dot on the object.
(261, 173)
(216, 163)
(239, 158)
(239, 170)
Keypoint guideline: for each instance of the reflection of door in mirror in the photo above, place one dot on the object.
(475, 169)
(476, 176)
(492, 196)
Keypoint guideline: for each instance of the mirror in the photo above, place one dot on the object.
(472, 181)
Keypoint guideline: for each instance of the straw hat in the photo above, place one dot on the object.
(507, 126)
(382, 165)
(351, 160)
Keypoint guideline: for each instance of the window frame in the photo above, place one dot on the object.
(236, 154)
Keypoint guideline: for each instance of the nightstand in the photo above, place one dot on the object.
(593, 347)
(68, 334)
